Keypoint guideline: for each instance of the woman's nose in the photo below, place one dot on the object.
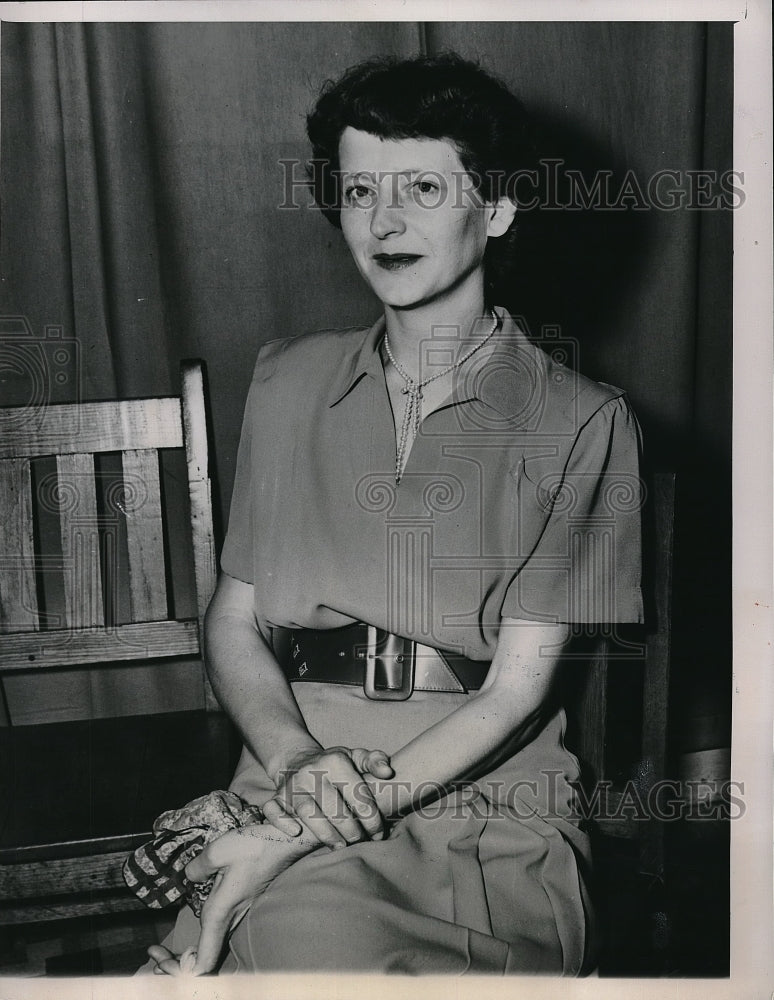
(386, 216)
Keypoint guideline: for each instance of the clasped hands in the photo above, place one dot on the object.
(320, 799)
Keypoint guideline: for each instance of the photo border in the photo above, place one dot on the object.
(752, 937)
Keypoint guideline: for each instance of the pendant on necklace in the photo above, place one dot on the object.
(412, 414)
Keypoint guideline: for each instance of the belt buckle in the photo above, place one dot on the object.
(389, 666)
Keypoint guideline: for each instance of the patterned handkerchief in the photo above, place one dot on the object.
(155, 872)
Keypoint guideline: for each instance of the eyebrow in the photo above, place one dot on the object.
(408, 171)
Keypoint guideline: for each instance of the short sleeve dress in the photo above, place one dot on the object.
(520, 499)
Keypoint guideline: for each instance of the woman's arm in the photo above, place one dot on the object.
(495, 722)
(244, 863)
(248, 681)
(324, 785)
(491, 725)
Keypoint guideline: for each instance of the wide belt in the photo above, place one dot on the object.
(387, 666)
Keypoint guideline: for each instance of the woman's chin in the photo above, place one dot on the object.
(392, 294)
(405, 295)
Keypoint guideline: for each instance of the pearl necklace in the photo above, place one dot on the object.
(412, 416)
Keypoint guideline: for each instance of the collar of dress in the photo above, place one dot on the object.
(506, 379)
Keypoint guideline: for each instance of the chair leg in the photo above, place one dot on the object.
(5, 712)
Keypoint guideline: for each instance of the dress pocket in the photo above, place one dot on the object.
(537, 485)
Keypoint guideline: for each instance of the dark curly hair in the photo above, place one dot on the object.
(431, 97)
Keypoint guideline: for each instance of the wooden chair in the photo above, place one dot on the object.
(76, 797)
(625, 700)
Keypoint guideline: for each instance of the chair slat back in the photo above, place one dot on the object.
(98, 514)
(141, 508)
(18, 595)
(63, 648)
(76, 496)
(89, 428)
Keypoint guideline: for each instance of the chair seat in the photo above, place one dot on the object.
(105, 779)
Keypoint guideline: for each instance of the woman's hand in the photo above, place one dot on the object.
(324, 790)
(244, 862)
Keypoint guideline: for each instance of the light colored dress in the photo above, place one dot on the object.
(520, 498)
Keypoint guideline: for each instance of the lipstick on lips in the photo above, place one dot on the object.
(396, 261)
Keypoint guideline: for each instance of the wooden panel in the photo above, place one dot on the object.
(204, 543)
(76, 497)
(657, 662)
(656, 679)
(592, 712)
(199, 492)
(18, 597)
(35, 913)
(124, 642)
(204, 567)
(71, 850)
(141, 507)
(195, 425)
(93, 427)
(58, 878)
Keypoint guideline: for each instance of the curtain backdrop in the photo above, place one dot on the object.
(142, 181)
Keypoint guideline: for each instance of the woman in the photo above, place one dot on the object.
(444, 483)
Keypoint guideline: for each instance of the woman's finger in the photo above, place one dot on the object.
(363, 803)
(309, 812)
(188, 961)
(373, 762)
(356, 814)
(217, 855)
(329, 796)
(166, 963)
(275, 813)
(342, 796)
(377, 763)
(359, 757)
(333, 798)
(359, 800)
(216, 924)
(221, 913)
(159, 953)
(203, 866)
(345, 775)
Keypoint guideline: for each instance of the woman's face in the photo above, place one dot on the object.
(412, 221)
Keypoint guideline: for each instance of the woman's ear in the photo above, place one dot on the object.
(501, 215)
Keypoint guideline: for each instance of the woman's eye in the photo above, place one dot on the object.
(425, 192)
(359, 195)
